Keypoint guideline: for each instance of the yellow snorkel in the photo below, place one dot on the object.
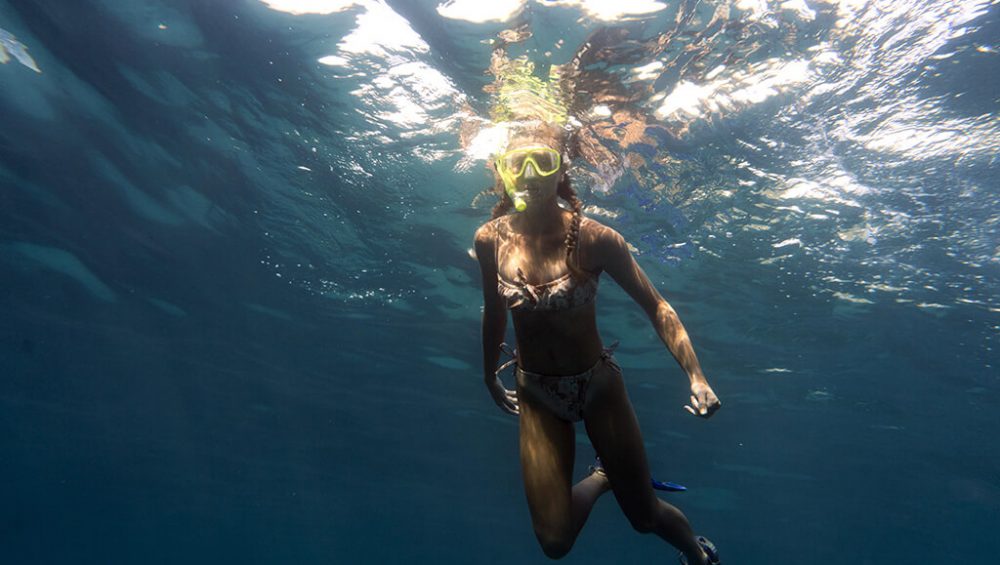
(517, 196)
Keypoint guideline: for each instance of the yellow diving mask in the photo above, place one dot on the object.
(512, 165)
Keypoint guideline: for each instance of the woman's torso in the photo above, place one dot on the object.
(555, 341)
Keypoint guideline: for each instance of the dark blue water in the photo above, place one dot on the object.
(239, 321)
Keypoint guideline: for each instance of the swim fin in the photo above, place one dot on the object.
(667, 486)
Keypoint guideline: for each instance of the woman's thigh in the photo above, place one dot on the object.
(614, 431)
(547, 451)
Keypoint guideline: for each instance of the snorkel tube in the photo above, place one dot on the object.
(517, 196)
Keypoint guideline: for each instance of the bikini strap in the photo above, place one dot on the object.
(607, 355)
(504, 348)
(610, 350)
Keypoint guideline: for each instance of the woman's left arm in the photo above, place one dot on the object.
(615, 258)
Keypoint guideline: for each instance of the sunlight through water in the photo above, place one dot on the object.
(801, 133)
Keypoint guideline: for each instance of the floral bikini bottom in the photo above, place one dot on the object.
(565, 395)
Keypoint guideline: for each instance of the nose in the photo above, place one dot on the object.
(529, 171)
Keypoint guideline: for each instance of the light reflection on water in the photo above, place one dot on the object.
(802, 130)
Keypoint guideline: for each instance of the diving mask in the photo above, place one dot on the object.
(512, 165)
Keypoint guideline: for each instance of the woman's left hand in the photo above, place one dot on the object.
(704, 403)
(505, 399)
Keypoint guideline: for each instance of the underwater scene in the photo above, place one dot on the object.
(241, 312)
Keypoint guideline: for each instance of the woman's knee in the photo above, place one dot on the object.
(554, 547)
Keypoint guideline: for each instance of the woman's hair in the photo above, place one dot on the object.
(553, 137)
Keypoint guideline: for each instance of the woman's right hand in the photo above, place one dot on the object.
(505, 399)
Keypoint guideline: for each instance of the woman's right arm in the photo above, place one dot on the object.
(494, 320)
(494, 312)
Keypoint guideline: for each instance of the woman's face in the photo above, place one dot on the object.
(537, 169)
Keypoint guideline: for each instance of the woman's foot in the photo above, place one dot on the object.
(597, 467)
(596, 472)
(708, 548)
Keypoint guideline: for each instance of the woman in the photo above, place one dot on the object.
(543, 263)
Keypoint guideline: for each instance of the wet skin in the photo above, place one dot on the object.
(567, 342)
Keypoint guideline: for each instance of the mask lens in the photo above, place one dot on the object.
(545, 160)
(514, 162)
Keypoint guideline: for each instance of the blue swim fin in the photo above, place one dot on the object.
(667, 486)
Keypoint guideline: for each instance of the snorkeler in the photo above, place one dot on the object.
(543, 262)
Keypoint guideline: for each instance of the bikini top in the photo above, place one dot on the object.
(562, 293)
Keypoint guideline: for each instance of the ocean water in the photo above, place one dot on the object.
(239, 321)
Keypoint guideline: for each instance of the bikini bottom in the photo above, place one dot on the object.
(565, 395)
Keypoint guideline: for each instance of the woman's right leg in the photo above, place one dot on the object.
(548, 445)
(614, 431)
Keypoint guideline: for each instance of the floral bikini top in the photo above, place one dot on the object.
(562, 293)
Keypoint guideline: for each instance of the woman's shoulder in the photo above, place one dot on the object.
(596, 232)
(601, 243)
(488, 224)
(486, 234)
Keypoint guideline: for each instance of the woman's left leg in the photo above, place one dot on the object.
(558, 510)
(614, 432)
